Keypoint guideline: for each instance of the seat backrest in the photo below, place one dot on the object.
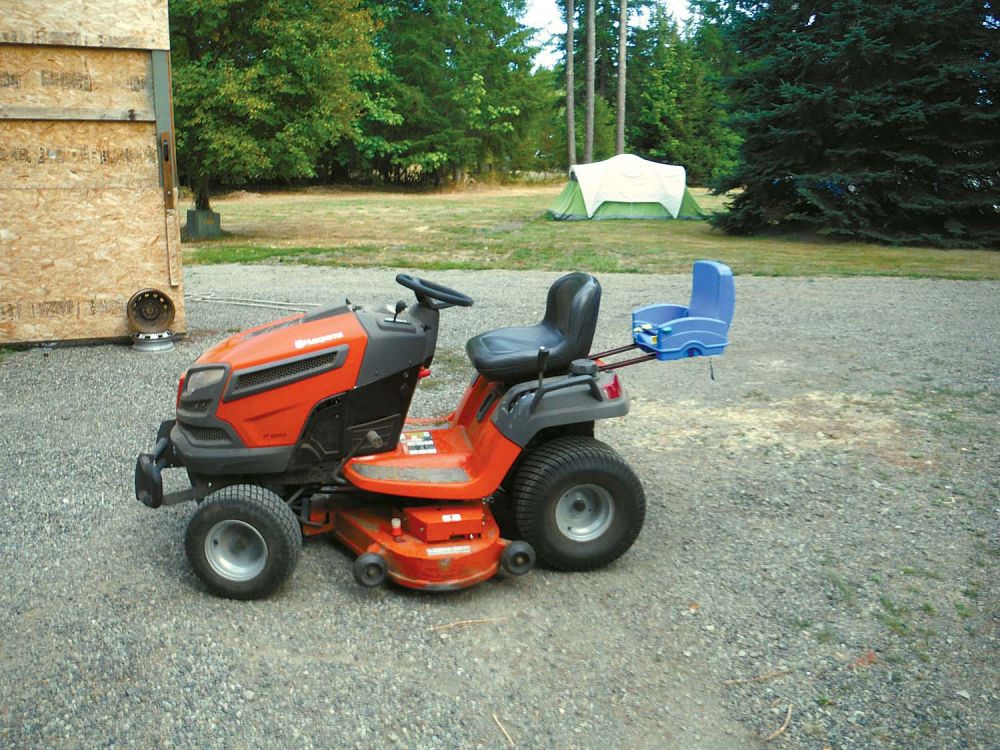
(713, 293)
(572, 307)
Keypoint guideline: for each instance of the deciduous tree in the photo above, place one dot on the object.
(261, 86)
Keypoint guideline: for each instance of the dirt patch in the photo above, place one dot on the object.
(810, 422)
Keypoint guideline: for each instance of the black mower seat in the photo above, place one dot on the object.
(510, 355)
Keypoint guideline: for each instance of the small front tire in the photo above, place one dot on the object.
(577, 503)
(243, 542)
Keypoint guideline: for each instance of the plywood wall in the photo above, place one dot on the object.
(82, 227)
(138, 24)
(88, 251)
(73, 83)
(85, 221)
(66, 155)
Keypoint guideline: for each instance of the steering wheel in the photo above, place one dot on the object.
(428, 290)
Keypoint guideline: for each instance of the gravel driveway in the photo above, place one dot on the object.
(822, 539)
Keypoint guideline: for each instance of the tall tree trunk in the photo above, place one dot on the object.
(588, 140)
(622, 50)
(570, 84)
(201, 195)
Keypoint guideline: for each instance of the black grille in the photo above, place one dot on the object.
(250, 380)
(207, 434)
(196, 407)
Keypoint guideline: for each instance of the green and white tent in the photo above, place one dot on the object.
(625, 187)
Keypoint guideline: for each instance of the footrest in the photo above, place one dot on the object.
(393, 473)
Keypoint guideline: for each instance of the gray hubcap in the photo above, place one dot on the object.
(584, 512)
(236, 550)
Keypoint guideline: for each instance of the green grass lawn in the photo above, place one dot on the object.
(505, 227)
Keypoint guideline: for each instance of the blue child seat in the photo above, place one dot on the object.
(701, 328)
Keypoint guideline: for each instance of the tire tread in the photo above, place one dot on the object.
(535, 474)
(264, 502)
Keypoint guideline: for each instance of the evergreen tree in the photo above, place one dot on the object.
(606, 46)
(460, 81)
(570, 13)
(676, 112)
(622, 78)
(588, 139)
(873, 120)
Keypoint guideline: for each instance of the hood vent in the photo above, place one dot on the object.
(264, 378)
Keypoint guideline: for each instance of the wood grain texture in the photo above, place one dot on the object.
(136, 24)
(70, 260)
(87, 82)
(62, 154)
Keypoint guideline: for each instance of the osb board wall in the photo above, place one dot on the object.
(89, 82)
(82, 228)
(137, 24)
(70, 259)
(59, 154)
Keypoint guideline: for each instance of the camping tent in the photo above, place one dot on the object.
(625, 187)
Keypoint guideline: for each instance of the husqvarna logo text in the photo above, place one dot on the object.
(303, 343)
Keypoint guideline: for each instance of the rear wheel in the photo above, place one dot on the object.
(577, 503)
(243, 542)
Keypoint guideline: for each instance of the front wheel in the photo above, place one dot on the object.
(577, 503)
(243, 542)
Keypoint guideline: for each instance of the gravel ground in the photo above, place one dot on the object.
(823, 515)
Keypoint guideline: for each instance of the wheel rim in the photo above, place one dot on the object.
(236, 550)
(584, 512)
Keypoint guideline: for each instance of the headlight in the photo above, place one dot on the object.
(198, 379)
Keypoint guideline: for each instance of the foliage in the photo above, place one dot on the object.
(260, 86)
(458, 75)
(676, 104)
(869, 120)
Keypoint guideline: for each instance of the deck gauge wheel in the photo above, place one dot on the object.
(370, 570)
(517, 558)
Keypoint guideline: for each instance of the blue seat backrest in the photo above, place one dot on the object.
(713, 293)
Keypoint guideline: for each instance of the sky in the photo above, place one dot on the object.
(545, 15)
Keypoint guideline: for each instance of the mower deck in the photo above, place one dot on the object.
(434, 547)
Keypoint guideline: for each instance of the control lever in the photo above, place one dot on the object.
(400, 306)
(543, 357)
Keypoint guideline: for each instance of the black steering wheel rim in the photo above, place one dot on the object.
(426, 291)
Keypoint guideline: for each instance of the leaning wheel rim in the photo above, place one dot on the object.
(236, 550)
(584, 512)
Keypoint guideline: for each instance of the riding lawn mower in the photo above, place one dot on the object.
(299, 427)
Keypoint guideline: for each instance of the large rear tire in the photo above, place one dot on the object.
(577, 503)
(243, 542)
